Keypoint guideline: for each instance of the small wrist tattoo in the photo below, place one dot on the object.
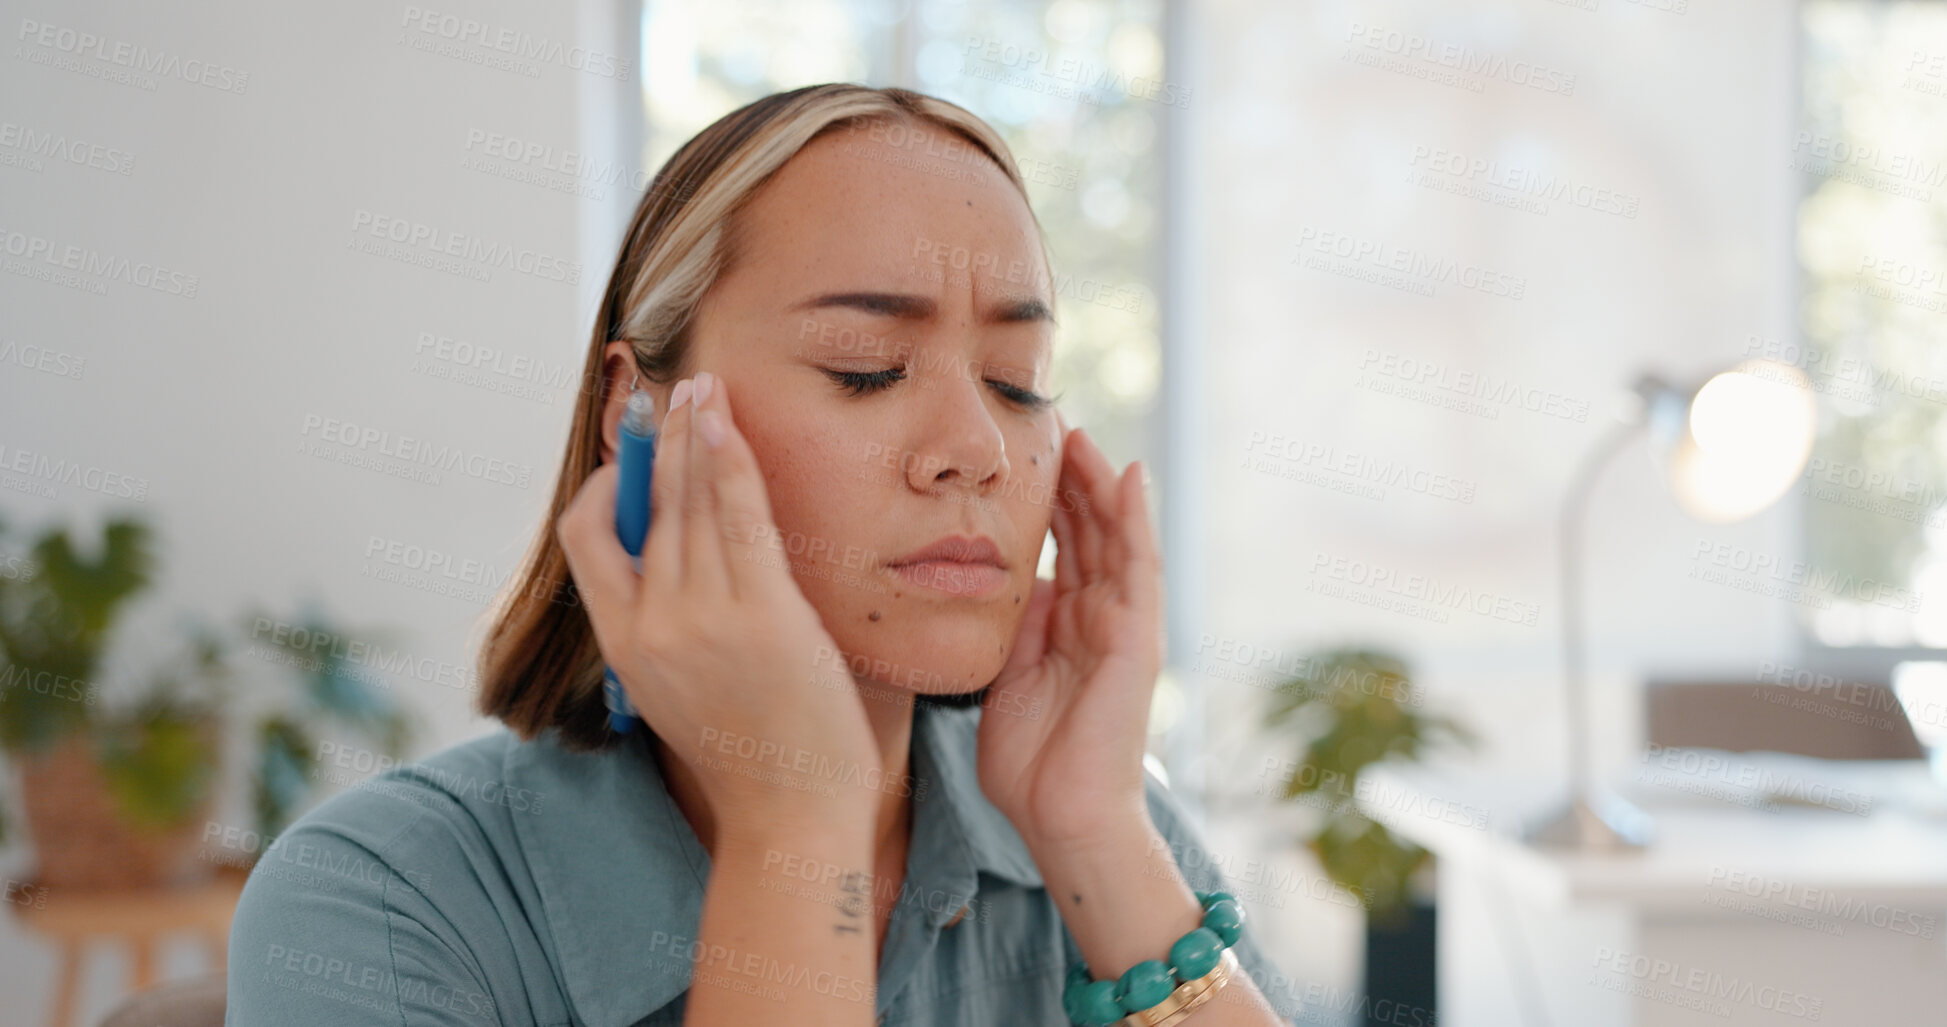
(854, 902)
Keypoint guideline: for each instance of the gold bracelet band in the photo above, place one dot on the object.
(1187, 996)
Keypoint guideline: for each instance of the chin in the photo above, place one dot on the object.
(938, 656)
(920, 644)
(927, 658)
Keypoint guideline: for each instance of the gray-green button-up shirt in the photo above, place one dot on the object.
(509, 882)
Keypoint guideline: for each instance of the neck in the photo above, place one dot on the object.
(890, 712)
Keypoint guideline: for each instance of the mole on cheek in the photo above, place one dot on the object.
(874, 615)
(1017, 598)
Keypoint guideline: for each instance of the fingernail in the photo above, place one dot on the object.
(705, 381)
(709, 424)
(680, 394)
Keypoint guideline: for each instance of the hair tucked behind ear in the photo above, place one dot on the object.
(539, 666)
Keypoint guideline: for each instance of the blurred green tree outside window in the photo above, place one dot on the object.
(1871, 157)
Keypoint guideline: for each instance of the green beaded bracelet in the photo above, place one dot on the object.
(1095, 1003)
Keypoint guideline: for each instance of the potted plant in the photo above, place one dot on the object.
(1349, 708)
(332, 692)
(115, 794)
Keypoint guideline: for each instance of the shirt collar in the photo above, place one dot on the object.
(620, 872)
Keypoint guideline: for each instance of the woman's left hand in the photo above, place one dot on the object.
(1086, 658)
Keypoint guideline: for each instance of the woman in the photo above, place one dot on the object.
(887, 775)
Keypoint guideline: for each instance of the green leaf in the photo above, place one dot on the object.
(1369, 861)
(333, 692)
(159, 765)
(84, 594)
(284, 749)
(54, 626)
(1351, 708)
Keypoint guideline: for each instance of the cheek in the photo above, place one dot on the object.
(814, 499)
(825, 519)
(1031, 499)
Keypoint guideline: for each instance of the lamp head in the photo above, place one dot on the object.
(1732, 446)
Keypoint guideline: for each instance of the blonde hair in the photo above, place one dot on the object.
(539, 667)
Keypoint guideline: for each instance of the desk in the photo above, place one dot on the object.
(75, 920)
(1828, 906)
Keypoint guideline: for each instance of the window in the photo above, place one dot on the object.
(1872, 245)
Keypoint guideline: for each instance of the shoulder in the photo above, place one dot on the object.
(389, 901)
(411, 817)
(471, 781)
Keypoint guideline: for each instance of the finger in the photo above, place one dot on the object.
(1142, 587)
(1142, 565)
(1068, 566)
(1084, 523)
(1117, 549)
(601, 569)
(747, 526)
(1100, 477)
(1107, 489)
(704, 575)
(662, 553)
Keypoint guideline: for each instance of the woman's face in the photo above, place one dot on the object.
(873, 252)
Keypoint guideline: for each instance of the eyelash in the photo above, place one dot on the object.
(858, 383)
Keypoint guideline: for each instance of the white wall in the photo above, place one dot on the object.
(1691, 114)
(256, 192)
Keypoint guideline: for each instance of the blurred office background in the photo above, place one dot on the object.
(1364, 283)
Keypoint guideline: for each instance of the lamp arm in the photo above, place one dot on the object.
(1574, 514)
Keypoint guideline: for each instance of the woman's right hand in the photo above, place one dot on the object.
(719, 650)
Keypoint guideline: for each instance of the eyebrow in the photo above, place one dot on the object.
(918, 308)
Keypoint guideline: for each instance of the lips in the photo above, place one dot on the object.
(975, 549)
(960, 565)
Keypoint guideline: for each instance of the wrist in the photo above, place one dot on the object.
(1121, 897)
(758, 828)
(1115, 826)
(807, 860)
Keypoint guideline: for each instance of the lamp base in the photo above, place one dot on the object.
(1594, 823)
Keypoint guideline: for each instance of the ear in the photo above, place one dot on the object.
(618, 370)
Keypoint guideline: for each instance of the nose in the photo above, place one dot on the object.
(958, 443)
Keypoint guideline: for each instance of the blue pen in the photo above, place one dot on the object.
(638, 460)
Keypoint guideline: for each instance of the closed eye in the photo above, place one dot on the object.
(858, 383)
(1016, 394)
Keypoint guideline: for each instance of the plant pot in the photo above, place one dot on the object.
(1400, 966)
(81, 839)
